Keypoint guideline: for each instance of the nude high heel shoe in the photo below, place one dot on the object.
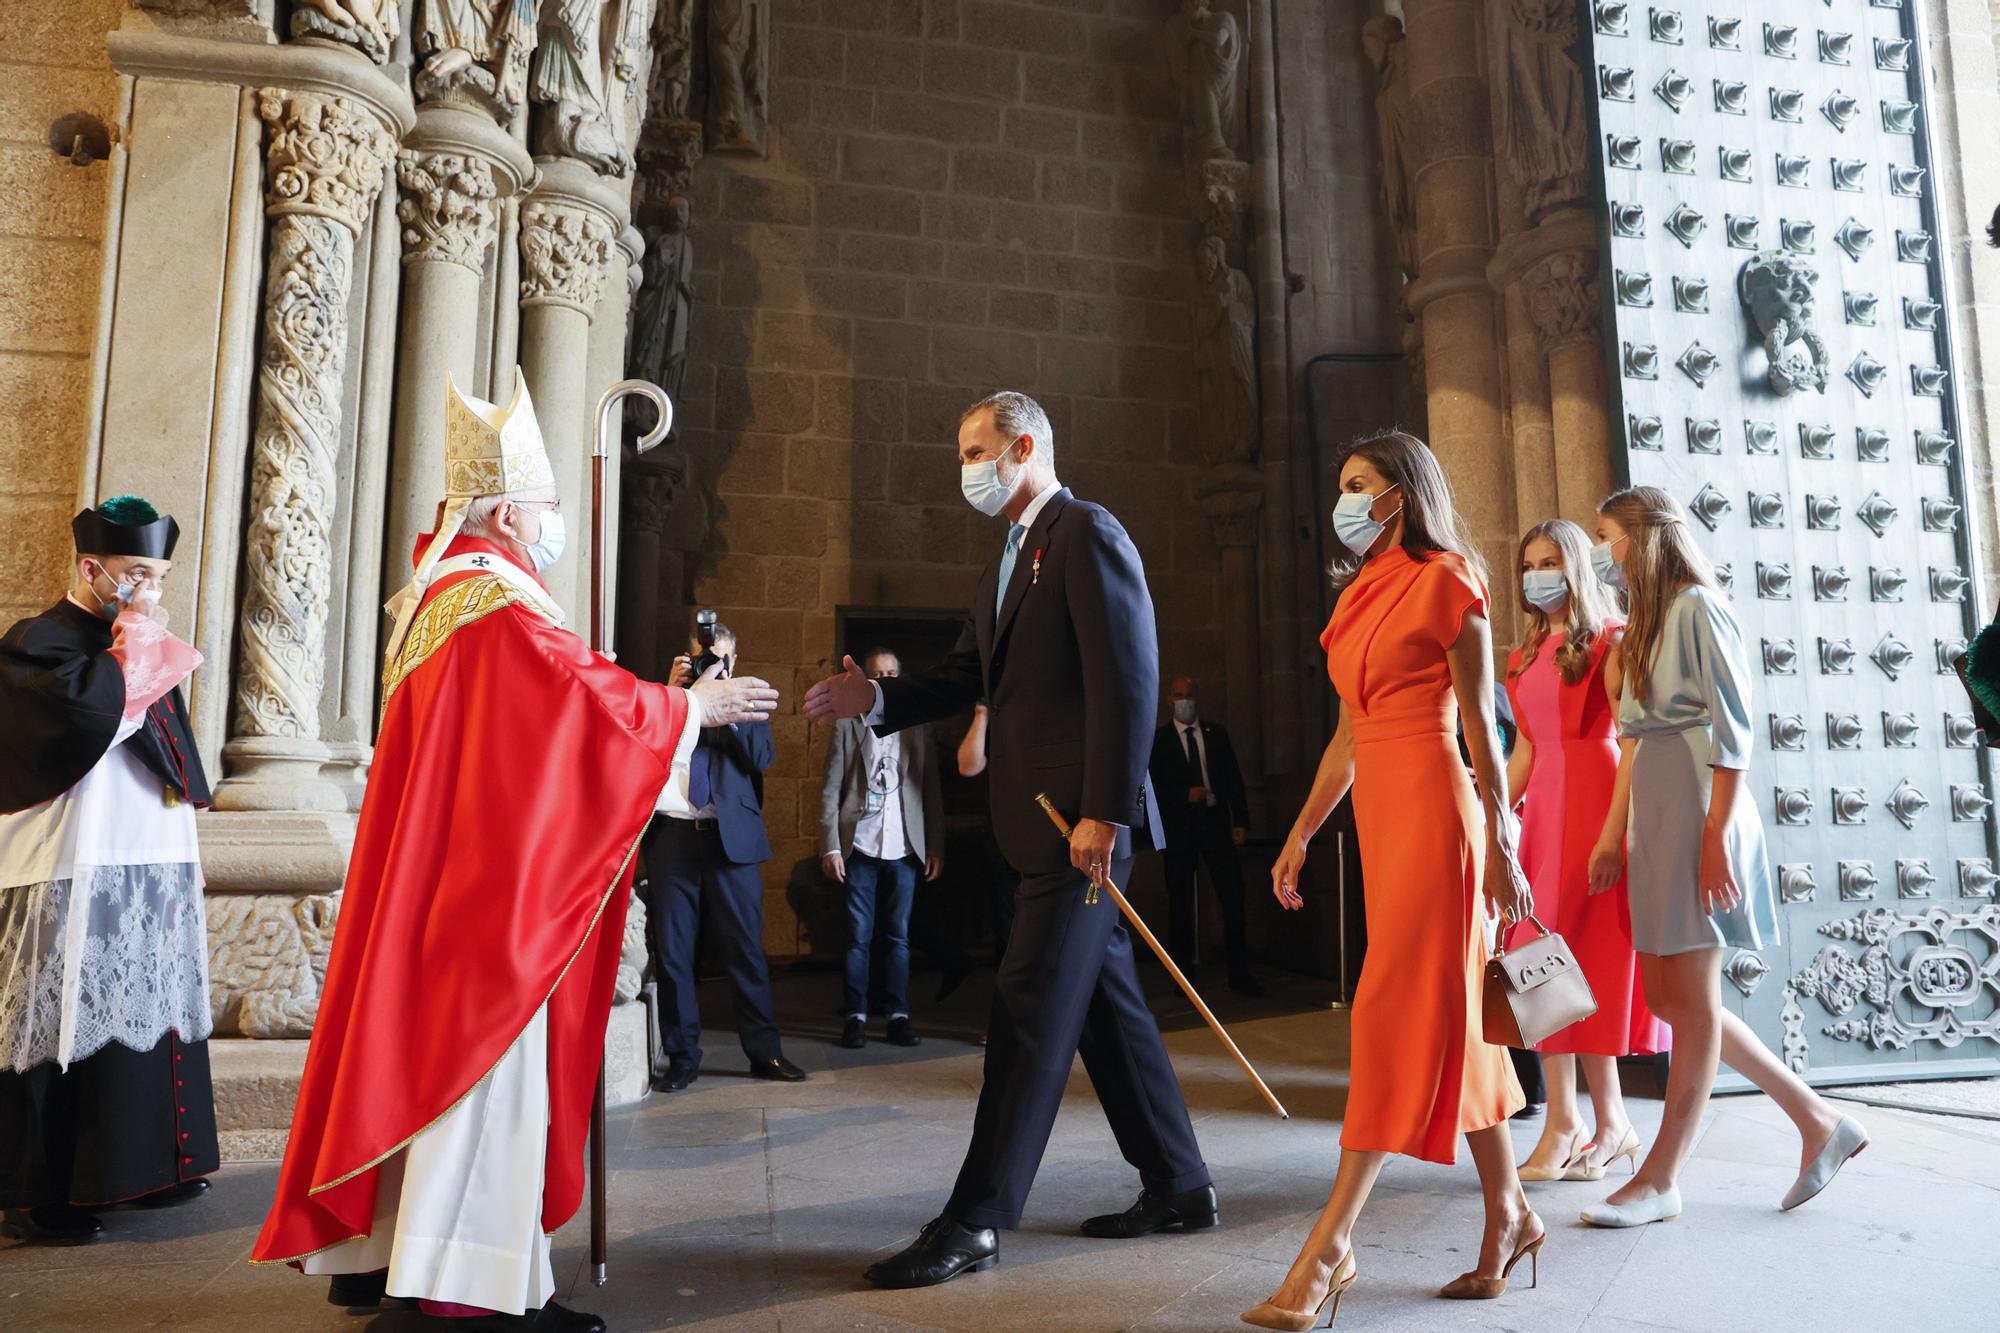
(1472, 1287)
(1571, 1153)
(1270, 1315)
(1628, 1148)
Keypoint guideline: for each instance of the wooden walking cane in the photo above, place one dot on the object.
(1187, 987)
(600, 458)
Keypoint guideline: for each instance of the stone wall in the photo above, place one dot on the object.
(52, 62)
(958, 197)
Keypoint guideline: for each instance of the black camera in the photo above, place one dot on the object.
(704, 637)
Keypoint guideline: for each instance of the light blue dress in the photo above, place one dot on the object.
(1696, 716)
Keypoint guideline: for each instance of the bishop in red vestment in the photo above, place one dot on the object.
(439, 1134)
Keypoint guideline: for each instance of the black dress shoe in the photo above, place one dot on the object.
(901, 1033)
(1190, 1210)
(1245, 984)
(173, 1195)
(941, 1251)
(51, 1224)
(551, 1318)
(1528, 1112)
(679, 1074)
(777, 1069)
(358, 1291)
(853, 1034)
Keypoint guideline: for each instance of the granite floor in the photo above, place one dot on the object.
(740, 1205)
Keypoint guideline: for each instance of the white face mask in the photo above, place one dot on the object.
(1184, 712)
(126, 595)
(546, 549)
(982, 486)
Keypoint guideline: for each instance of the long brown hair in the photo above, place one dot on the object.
(1431, 522)
(1661, 558)
(1591, 605)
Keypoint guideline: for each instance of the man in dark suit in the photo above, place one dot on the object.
(1205, 816)
(1060, 642)
(710, 858)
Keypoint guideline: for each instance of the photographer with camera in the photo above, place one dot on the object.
(708, 859)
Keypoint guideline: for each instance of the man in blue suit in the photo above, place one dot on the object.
(1060, 642)
(709, 859)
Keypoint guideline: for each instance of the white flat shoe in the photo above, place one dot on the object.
(1659, 1208)
(1849, 1138)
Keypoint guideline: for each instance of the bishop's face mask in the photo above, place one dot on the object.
(983, 486)
(1355, 524)
(1545, 589)
(547, 548)
(1605, 563)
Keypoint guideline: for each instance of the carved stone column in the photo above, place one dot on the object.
(1563, 299)
(1463, 356)
(606, 366)
(568, 225)
(455, 169)
(325, 164)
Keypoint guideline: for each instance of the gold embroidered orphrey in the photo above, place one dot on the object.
(447, 613)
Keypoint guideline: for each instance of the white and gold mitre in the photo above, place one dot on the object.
(493, 450)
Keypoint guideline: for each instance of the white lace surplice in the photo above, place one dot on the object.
(102, 934)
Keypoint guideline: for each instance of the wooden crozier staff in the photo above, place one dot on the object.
(1187, 987)
(600, 459)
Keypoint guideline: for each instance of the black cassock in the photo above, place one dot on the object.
(119, 1123)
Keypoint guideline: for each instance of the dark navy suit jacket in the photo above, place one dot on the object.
(737, 757)
(1069, 669)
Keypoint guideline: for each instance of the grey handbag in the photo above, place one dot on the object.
(1534, 991)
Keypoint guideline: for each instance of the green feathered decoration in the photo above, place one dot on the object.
(1981, 671)
(129, 510)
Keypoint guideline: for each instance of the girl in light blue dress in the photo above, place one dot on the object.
(1696, 871)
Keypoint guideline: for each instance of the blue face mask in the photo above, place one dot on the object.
(548, 547)
(1606, 566)
(982, 487)
(1355, 525)
(1545, 589)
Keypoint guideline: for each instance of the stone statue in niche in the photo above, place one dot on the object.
(738, 89)
(1776, 289)
(672, 77)
(1544, 124)
(568, 82)
(369, 26)
(658, 348)
(1204, 51)
(475, 48)
(1225, 355)
(1382, 38)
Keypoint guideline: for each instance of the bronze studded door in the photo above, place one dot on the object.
(1780, 344)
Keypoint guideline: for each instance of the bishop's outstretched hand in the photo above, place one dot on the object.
(850, 694)
(738, 699)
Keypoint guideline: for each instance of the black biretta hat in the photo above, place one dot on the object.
(125, 525)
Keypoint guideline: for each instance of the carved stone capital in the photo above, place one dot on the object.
(564, 249)
(1233, 499)
(1562, 298)
(325, 157)
(446, 208)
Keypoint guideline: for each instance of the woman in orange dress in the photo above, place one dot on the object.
(1409, 648)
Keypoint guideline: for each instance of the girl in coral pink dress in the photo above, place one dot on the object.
(1562, 683)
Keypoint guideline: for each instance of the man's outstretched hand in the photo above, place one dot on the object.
(738, 699)
(850, 694)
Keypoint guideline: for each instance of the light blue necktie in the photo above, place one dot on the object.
(1015, 535)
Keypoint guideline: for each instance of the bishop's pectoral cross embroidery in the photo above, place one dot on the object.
(482, 562)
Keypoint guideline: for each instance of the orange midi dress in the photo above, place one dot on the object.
(1421, 1074)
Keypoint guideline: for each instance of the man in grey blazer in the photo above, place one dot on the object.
(881, 820)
